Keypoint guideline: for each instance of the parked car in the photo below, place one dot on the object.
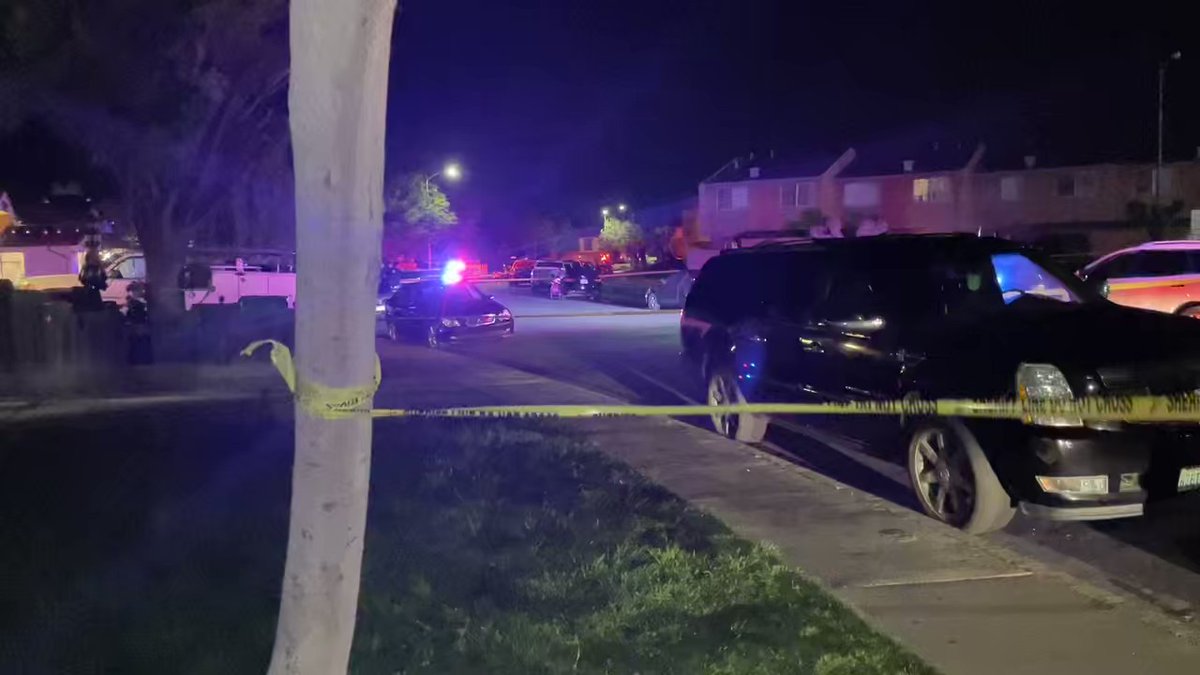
(1163, 276)
(544, 272)
(953, 316)
(581, 278)
(519, 270)
(437, 313)
(652, 290)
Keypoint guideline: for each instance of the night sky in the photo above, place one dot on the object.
(563, 105)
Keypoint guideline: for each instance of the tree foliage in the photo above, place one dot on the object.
(183, 102)
(1155, 219)
(417, 207)
(618, 233)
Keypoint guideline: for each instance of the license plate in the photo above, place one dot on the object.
(1189, 478)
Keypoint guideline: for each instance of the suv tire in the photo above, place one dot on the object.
(723, 389)
(953, 479)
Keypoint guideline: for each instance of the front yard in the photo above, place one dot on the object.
(153, 543)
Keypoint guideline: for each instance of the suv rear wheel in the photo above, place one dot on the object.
(723, 389)
(953, 479)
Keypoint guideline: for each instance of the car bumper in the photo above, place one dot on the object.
(465, 333)
(1142, 463)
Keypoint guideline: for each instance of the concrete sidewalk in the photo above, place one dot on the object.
(963, 605)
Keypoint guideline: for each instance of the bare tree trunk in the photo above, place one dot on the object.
(337, 101)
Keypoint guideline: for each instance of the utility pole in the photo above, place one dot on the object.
(1162, 85)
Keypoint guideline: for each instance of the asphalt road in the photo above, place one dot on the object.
(634, 355)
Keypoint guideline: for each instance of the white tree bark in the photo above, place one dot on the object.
(339, 75)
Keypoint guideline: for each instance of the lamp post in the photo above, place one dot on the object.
(1162, 84)
(452, 172)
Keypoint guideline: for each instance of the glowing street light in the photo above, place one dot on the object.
(621, 208)
(452, 171)
(605, 211)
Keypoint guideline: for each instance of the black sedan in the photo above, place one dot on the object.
(436, 313)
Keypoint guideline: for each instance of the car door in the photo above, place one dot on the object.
(793, 359)
(854, 332)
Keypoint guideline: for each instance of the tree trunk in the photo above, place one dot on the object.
(337, 101)
(164, 260)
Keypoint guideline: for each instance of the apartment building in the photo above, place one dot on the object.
(939, 189)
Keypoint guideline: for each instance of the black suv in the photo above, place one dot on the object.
(950, 316)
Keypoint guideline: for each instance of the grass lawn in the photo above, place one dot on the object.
(154, 544)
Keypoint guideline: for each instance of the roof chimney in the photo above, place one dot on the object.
(1030, 161)
(754, 172)
(908, 165)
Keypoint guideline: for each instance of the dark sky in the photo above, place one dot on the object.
(567, 104)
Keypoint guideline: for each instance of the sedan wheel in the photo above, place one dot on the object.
(431, 337)
(954, 481)
(724, 390)
(392, 333)
(652, 300)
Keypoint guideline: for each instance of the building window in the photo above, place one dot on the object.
(795, 195)
(1064, 186)
(741, 197)
(1081, 184)
(1085, 184)
(732, 198)
(936, 189)
(860, 195)
(724, 199)
(1010, 188)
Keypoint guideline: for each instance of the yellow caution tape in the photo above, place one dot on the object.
(319, 400)
(339, 402)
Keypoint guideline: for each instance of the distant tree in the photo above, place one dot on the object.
(417, 206)
(416, 209)
(619, 234)
(1155, 219)
(809, 219)
(183, 102)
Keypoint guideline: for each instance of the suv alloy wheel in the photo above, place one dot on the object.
(723, 389)
(953, 479)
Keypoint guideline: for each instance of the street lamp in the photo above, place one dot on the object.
(605, 211)
(1162, 82)
(621, 208)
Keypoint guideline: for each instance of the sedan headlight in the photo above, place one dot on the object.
(379, 308)
(1047, 397)
(451, 323)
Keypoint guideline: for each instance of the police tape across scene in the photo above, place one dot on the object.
(336, 402)
(1096, 409)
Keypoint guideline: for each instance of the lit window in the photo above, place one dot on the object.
(936, 189)
(1010, 188)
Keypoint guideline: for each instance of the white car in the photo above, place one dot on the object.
(543, 274)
